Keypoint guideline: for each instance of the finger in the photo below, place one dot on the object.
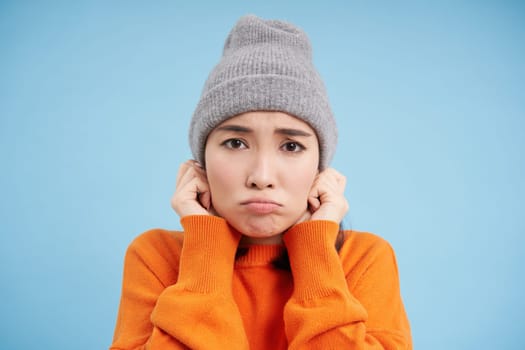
(186, 201)
(191, 183)
(205, 199)
(189, 175)
(199, 169)
(196, 185)
(204, 194)
(313, 197)
(314, 203)
(333, 181)
(340, 179)
(183, 170)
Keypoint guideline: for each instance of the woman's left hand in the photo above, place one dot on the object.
(326, 199)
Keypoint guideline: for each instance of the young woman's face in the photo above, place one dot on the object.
(260, 168)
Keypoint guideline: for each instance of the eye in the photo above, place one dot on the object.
(293, 147)
(234, 144)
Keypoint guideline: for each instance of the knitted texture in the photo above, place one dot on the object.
(185, 290)
(266, 65)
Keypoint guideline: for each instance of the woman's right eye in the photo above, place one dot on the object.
(234, 144)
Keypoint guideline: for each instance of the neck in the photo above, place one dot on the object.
(273, 240)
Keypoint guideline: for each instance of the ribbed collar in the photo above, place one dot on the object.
(259, 255)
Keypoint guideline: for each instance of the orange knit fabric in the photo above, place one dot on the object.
(196, 295)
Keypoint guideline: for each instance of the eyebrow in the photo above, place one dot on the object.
(292, 132)
(282, 131)
(235, 128)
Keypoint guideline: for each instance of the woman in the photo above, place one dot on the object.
(261, 262)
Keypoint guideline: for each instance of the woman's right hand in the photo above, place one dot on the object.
(192, 192)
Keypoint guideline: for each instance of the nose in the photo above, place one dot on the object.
(261, 171)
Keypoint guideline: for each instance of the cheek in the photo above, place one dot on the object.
(221, 177)
(300, 186)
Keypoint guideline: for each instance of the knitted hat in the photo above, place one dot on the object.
(266, 65)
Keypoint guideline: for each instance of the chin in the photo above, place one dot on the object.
(259, 226)
(262, 227)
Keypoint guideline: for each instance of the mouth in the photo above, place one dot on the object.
(261, 206)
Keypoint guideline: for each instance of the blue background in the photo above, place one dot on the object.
(95, 99)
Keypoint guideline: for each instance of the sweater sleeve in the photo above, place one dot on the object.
(322, 312)
(197, 310)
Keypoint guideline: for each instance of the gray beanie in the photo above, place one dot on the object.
(266, 65)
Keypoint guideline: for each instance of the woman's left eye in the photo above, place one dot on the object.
(234, 144)
(293, 147)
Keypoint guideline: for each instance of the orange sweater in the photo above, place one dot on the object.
(196, 295)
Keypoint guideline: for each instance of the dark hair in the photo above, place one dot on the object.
(282, 262)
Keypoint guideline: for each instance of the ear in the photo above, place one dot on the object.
(199, 165)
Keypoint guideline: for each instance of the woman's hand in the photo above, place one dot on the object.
(326, 199)
(192, 192)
